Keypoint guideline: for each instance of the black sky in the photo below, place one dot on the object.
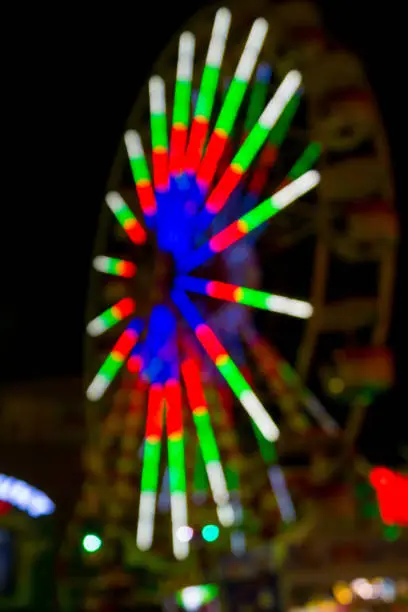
(70, 80)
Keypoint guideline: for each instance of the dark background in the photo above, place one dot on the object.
(71, 75)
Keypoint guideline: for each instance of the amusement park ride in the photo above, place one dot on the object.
(264, 165)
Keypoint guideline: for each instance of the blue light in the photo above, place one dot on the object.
(25, 497)
(187, 308)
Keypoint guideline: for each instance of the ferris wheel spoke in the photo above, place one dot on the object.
(158, 126)
(206, 94)
(269, 153)
(258, 96)
(115, 360)
(205, 433)
(116, 267)
(150, 469)
(182, 103)
(226, 366)
(245, 296)
(231, 105)
(251, 220)
(111, 316)
(177, 468)
(141, 176)
(248, 151)
(126, 218)
(291, 379)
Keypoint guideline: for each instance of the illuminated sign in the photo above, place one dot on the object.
(392, 494)
(25, 497)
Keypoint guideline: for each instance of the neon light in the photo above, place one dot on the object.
(227, 368)
(126, 218)
(114, 361)
(232, 103)
(205, 433)
(253, 219)
(24, 497)
(206, 94)
(177, 470)
(116, 267)
(151, 466)
(111, 316)
(249, 297)
(158, 124)
(253, 143)
(181, 110)
(141, 175)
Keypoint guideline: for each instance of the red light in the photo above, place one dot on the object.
(5, 508)
(160, 169)
(154, 423)
(226, 237)
(392, 494)
(212, 157)
(178, 142)
(196, 143)
(223, 190)
(174, 418)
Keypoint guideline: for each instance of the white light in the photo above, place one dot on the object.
(217, 482)
(226, 515)
(185, 533)
(133, 144)
(363, 588)
(114, 201)
(178, 506)
(186, 57)
(296, 189)
(96, 327)
(97, 388)
(283, 95)
(145, 525)
(219, 36)
(258, 413)
(157, 96)
(192, 598)
(251, 50)
(288, 306)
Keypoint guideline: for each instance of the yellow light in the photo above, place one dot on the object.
(343, 593)
(336, 385)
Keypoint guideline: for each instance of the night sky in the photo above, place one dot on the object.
(70, 80)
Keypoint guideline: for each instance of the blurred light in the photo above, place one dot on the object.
(25, 497)
(343, 593)
(336, 385)
(91, 543)
(363, 588)
(185, 533)
(210, 533)
(192, 598)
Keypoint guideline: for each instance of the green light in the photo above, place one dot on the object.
(392, 532)
(210, 533)
(91, 543)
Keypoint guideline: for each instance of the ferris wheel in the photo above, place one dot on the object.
(231, 119)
